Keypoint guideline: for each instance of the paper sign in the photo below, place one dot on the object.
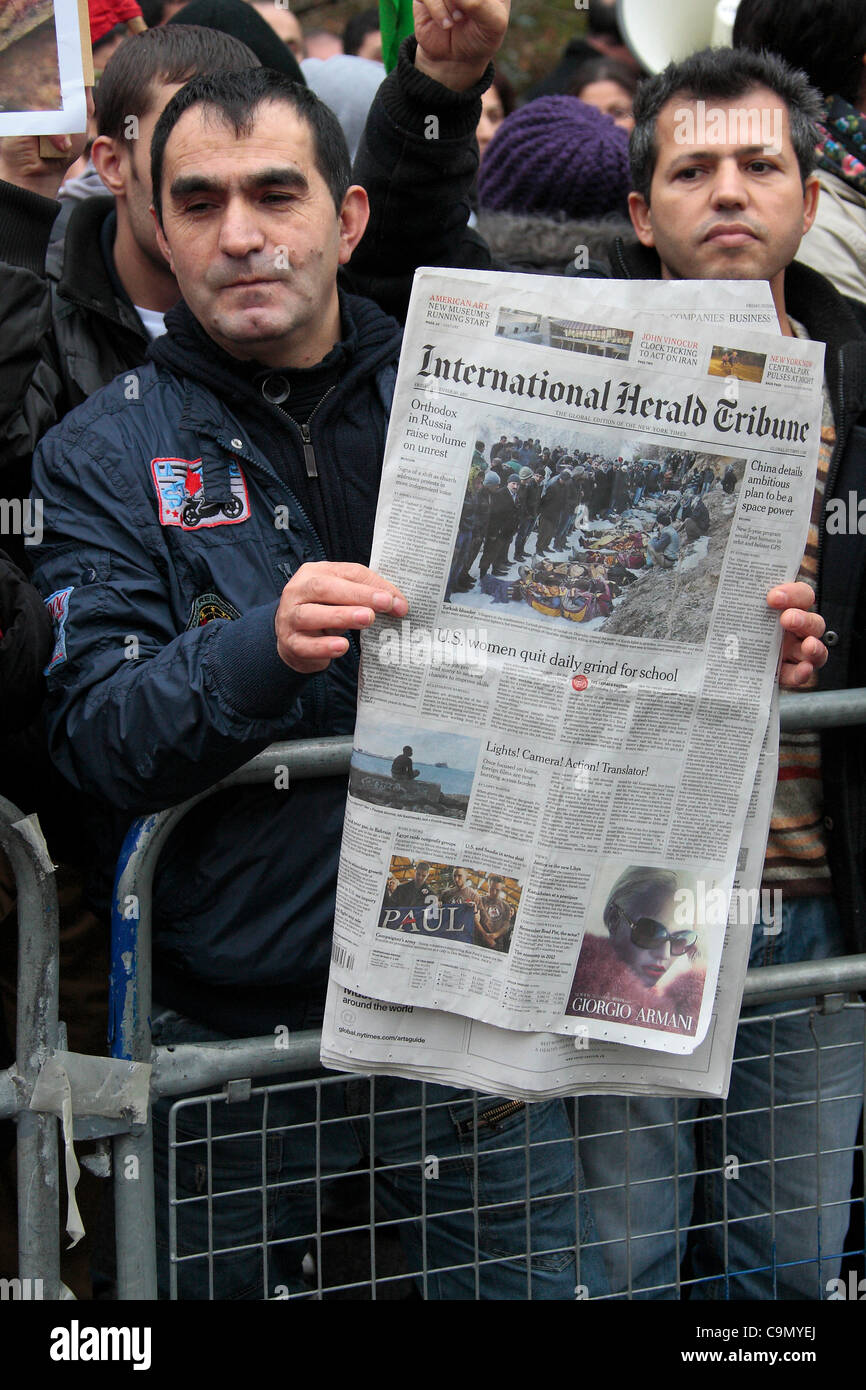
(41, 68)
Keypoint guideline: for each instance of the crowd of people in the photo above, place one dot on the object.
(592, 520)
(173, 381)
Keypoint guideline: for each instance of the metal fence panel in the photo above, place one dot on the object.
(36, 1037)
(345, 1239)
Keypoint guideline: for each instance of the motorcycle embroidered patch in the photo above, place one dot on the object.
(209, 606)
(182, 501)
(58, 609)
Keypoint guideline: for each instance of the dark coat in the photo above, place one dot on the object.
(502, 519)
(26, 639)
(207, 689)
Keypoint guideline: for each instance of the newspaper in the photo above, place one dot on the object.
(370, 1036)
(552, 772)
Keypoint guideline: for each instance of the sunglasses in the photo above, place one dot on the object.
(647, 933)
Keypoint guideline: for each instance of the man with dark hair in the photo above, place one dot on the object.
(403, 768)
(735, 207)
(236, 99)
(495, 918)
(362, 36)
(233, 536)
(83, 299)
(716, 76)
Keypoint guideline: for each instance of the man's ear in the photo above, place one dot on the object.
(811, 194)
(108, 163)
(354, 216)
(641, 218)
(160, 239)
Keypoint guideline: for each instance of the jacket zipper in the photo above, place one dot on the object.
(316, 682)
(306, 437)
(618, 248)
(275, 477)
(313, 472)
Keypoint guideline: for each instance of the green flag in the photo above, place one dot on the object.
(396, 23)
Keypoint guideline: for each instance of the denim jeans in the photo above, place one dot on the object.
(739, 1163)
(455, 1177)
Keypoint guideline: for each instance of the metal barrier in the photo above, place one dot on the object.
(178, 1070)
(347, 1228)
(184, 1067)
(36, 1041)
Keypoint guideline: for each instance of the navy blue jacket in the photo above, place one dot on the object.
(168, 540)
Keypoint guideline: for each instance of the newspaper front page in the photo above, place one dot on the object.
(555, 756)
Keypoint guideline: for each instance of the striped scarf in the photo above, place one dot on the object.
(842, 146)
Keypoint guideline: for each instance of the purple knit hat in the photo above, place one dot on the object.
(556, 154)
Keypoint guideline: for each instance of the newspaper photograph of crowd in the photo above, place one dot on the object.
(576, 534)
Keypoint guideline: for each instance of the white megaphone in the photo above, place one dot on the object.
(660, 31)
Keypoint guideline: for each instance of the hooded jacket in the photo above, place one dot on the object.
(171, 527)
(67, 327)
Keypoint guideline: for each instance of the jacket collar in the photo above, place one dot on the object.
(370, 338)
(217, 389)
(631, 261)
(83, 277)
